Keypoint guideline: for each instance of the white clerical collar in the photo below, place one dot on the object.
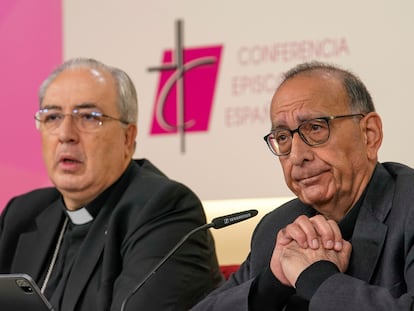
(80, 216)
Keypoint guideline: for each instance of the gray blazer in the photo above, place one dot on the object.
(381, 270)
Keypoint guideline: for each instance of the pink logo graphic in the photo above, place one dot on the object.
(185, 91)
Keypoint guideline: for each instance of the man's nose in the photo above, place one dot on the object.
(67, 129)
(298, 149)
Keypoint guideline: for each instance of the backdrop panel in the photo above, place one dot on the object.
(31, 45)
(258, 40)
(205, 85)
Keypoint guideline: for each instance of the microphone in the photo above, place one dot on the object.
(224, 221)
(216, 223)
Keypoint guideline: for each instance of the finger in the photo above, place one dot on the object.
(347, 247)
(338, 241)
(303, 232)
(292, 232)
(328, 231)
(276, 266)
(283, 237)
(343, 256)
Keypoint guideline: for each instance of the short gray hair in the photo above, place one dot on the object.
(360, 100)
(126, 93)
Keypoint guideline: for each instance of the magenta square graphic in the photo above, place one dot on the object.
(192, 100)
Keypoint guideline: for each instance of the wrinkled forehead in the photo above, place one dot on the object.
(75, 86)
(308, 96)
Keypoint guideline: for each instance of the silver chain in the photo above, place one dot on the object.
(55, 255)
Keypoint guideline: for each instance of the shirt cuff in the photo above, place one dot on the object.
(312, 277)
(268, 293)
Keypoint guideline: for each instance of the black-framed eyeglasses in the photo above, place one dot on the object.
(85, 120)
(313, 132)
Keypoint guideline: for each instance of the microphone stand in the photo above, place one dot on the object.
(216, 223)
(164, 259)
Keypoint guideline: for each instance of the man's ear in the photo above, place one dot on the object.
(372, 132)
(130, 136)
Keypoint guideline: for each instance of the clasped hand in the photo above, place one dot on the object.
(304, 242)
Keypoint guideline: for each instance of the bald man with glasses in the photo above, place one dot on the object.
(347, 241)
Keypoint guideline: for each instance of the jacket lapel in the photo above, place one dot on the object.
(35, 247)
(367, 244)
(370, 230)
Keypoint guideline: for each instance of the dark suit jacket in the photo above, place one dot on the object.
(143, 218)
(380, 276)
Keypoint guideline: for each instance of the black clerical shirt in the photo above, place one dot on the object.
(79, 223)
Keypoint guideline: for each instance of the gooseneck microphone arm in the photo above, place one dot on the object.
(216, 223)
(164, 259)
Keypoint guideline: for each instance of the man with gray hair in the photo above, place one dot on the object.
(347, 241)
(109, 219)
